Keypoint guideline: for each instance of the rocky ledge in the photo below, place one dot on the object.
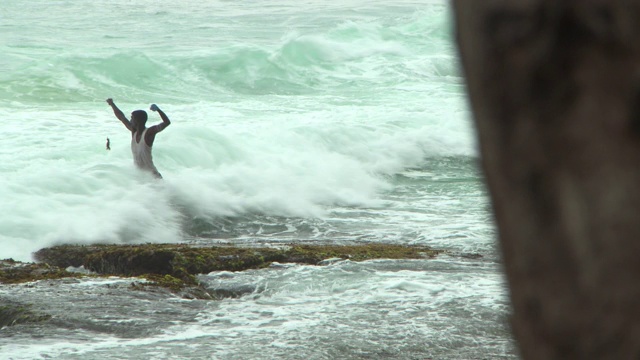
(12, 272)
(175, 266)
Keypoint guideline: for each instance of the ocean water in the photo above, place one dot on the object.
(292, 121)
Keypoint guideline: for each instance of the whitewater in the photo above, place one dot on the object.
(292, 122)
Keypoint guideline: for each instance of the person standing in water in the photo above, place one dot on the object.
(141, 137)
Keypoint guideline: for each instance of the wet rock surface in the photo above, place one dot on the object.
(175, 266)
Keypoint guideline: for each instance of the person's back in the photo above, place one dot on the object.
(141, 151)
(142, 138)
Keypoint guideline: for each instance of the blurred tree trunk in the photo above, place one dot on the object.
(554, 87)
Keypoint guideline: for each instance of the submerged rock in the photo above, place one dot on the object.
(12, 313)
(231, 291)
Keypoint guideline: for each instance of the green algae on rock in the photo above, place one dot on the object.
(180, 260)
(174, 266)
(12, 272)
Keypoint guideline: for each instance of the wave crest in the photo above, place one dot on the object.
(358, 53)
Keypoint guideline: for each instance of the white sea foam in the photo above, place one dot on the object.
(61, 185)
(382, 306)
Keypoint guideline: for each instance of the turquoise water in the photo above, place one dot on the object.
(291, 122)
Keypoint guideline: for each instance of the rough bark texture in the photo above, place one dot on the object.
(555, 91)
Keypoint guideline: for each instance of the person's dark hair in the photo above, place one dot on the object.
(139, 118)
(140, 115)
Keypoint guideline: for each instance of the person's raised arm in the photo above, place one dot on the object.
(165, 119)
(120, 115)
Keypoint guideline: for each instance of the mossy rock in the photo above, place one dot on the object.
(131, 261)
(12, 272)
(309, 254)
(181, 260)
(13, 314)
(174, 266)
